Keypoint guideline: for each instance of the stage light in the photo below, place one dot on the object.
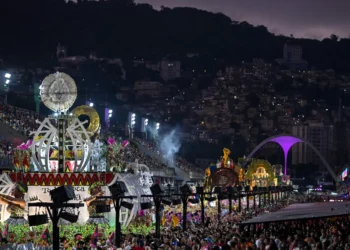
(157, 189)
(127, 205)
(217, 190)
(193, 201)
(176, 202)
(62, 194)
(91, 104)
(72, 218)
(133, 116)
(103, 208)
(222, 196)
(7, 75)
(7, 81)
(118, 188)
(166, 202)
(110, 111)
(109, 115)
(157, 125)
(210, 199)
(186, 190)
(37, 220)
(146, 205)
(146, 122)
(231, 190)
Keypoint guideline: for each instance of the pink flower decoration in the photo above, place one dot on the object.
(125, 143)
(111, 141)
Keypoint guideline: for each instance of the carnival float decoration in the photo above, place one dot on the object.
(65, 150)
(221, 174)
(260, 173)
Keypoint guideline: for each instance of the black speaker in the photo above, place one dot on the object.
(127, 205)
(103, 208)
(146, 205)
(193, 201)
(217, 190)
(37, 220)
(176, 202)
(157, 189)
(210, 199)
(200, 190)
(185, 189)
(62, 194)
(166, 202)
(72, 218)
(118, 188)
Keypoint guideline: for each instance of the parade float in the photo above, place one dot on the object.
(65, 150)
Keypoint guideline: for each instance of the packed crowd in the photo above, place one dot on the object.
(179, 161)
(226, 233)
(21, 120)
(133, 154)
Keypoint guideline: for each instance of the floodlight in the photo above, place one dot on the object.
(133, 116)
(110, 111)
(7, 75)
(37, 220)
(127, 205)
(62, 194)
(109, 115)
(7, 81)
(91, 104)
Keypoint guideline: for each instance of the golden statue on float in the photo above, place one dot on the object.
(221, 174)
(260, 173)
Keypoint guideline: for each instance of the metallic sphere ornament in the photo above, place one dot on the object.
(58, 92)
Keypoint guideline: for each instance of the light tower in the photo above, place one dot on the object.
(144, 126)
(108, 115)
(6, 85)
(157, 127)
(132, 124)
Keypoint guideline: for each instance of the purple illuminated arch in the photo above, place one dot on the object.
(286, 142)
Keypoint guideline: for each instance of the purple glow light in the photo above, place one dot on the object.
(286, 142)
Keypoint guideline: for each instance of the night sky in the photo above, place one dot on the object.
(302, 18)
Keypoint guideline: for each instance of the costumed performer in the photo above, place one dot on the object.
(15, 204)
(95, 190)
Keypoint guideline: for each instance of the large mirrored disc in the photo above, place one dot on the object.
(58, 92)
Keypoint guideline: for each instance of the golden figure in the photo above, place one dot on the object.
(225, 158)
(207, 180)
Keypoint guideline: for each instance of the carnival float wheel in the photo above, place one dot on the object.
(224, 177)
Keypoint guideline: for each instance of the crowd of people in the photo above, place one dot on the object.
(227, 233)
(21, 120)
(179, 161)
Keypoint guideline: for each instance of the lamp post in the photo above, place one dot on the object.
(247, 192)
(132, 125)
(255, 188)
(239, 188)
